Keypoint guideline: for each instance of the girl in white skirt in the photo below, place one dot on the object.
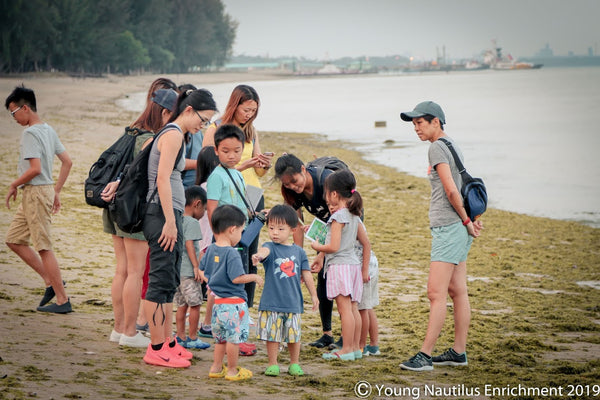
(344, 272)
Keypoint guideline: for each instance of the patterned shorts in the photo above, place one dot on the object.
(230, 322)
(189, 293)
(279, 326)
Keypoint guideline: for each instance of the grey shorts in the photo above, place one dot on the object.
(189, 293)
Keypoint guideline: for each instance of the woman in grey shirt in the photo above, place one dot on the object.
(452, 233)
(163, 224)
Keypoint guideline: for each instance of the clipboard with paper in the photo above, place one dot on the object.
(317, 231)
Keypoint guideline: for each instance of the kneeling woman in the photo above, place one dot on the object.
(162, 224)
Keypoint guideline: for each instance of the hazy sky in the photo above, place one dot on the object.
(337, 28)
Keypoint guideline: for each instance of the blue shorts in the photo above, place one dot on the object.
(230, 323)
(450, 243)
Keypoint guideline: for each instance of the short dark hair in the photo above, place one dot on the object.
(20, 96)
(429, 118)
(226, 216)
(194, 193)
(227, 131)
(283, 213)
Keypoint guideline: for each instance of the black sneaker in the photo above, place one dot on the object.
(57, 309)
(337, 345)
(205, 331)
(420, 362)
(323, 341)
(48, 295)
(451, 357)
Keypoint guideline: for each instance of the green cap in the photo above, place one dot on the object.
(425, 108)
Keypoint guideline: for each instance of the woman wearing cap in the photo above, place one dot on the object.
(452, 234)
(131, 249)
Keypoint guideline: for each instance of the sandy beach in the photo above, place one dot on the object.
(534, 284)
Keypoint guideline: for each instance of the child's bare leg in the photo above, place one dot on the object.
(294, 349)
(357, 327)
(218, 356)
(180, 320)
(364, 316)
(233, 352)
(272, 352)
(373, 328)
(193, 321)
(210, 301)
(344, 306)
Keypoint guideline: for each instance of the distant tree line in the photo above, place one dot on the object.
(113, 36)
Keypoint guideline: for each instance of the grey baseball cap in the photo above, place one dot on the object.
(166, 98)
(425, 108)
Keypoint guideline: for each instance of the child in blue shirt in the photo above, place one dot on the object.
(189, 293)
(281, 303)
(223, 268)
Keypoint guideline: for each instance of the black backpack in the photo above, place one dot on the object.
(327, 162)
(110, 164)
(128, 207)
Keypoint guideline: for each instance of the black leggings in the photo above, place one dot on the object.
(325, 305)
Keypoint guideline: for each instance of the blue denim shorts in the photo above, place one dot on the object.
(450, 243)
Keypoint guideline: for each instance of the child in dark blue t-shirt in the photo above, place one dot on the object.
(222, 266)
(281, 303)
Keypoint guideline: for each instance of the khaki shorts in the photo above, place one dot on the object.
(33, 220)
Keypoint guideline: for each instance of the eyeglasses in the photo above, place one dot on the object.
(12, 113)
(205, 121)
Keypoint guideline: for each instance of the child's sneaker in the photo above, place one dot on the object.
(247, 349)
(164, 357)
(419, 362)
(371, 351)
(195, 344)
(205, 331)
(451, 357)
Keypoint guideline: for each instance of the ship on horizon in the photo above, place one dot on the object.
(496, 60)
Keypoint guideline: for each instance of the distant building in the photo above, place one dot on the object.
(545, 52)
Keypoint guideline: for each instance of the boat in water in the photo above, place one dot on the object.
(496, 60)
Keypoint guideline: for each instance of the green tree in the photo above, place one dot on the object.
(131, 53)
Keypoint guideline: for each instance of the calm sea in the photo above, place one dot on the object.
(532, 135)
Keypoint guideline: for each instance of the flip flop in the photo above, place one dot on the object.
(295, 370)
(272, 370)
(242, 374)
(338, 356)
(220, 374)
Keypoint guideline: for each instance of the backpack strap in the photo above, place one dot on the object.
(459, 164)
(163, 130)
(250, 208)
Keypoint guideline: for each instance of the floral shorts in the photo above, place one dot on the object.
(230, 323)
(279, 327)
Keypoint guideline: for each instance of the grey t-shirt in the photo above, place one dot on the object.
(346, 253)
(39, 141)
(191, 231)
(177, 190)
(441, 212)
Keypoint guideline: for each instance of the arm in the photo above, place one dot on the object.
(168, 145)
(334, 243)
(454, 196)
(299, 231)
(264, 161)
(65, 168)
(247, 278)
(310, 285)
(364, 241)
(209, 136)
(260, 255)
(191, 253)
(211, 206)
(35, 168)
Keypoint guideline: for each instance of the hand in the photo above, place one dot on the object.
(365, 277)
(109, 191)
(256, 259)
(472, 230)
(315, 302)
(478, 227)
(316, 245)
(265, 160)
(12, 192)
(198, 275)
(259, 280)
(317, 265)
(56, 205)
(168, 236)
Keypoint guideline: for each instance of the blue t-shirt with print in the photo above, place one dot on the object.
(221, 265)
(282, 291)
